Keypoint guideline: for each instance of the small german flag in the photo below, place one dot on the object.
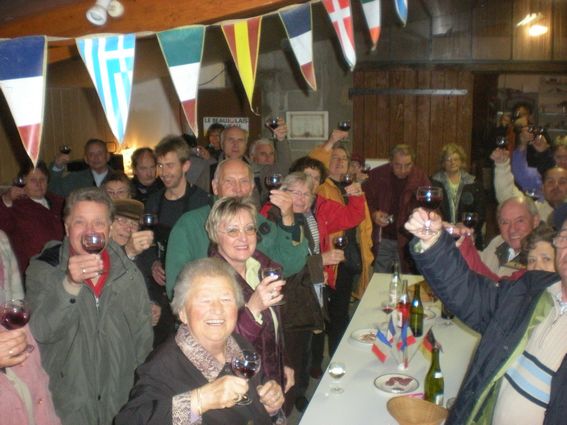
(427, 344)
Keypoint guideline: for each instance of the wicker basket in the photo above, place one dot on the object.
(414, 411)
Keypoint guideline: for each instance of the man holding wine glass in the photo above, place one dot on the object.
(91, 313)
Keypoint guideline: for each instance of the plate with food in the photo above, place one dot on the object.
(365, 336)
(396, 383)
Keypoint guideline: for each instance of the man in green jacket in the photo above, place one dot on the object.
(188, 240)
(90, 315)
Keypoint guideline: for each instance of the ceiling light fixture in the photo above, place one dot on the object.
(97, 14)
(537, 29)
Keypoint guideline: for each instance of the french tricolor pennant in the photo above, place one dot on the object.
(373, 15)
(406, 338)
(297, 23)
(182, 49)
(380, 346)
(341, 17)
(22, 80)
(391, 329)
(402, 10)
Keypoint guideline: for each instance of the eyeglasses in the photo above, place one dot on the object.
(127, 222)
(560, 241)
(298, 193)
(112, 193)
(234, 232)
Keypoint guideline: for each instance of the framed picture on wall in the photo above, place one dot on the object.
(307, 125)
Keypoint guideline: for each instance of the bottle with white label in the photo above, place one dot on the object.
(395, 286)
(434, 385)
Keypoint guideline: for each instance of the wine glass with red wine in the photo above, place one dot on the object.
(273, 181)
(347, 179)
(429, 198)
(148, 221)
(344, 125)
(65, 149)
(469, 219)
(272, 122)
(15, 315)
(340, 242)
(501, 142)
(246, 366)
(276, 272)
(19, 181)
(93, 242)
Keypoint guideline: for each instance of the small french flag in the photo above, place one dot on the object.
(380, 345)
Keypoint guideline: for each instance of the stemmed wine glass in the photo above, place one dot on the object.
(340, 242)
(14, 315)
(272, 122)
(19, 181)
(273, 181)
(502, 142)
(469, 219)
(149, 221)
(246, 366)
(93, 242)
(337, 370)
(65, 149)
(347, 179)
(344, 125)
(429, 197)
(273, 272)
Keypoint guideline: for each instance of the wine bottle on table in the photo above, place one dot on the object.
(404, 305)
(395, 287)
(416, 313)
(434, 383)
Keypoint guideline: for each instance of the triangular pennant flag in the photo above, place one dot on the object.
(402, 10)
(341, 18)
(373, 15)
(391, 329)
(22, 80)
(427, 344)
(110, 62)
(380, 346)
(406, 338)
(297, 23)
(243, 39)
(182, 49)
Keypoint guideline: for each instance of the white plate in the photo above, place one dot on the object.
(396, 383)
(365, 336)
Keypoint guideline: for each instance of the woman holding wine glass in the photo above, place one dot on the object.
(201, 375)
(461, 192)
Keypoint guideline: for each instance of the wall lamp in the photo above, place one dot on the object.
(97, 14)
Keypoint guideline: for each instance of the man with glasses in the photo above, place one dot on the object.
(518, 374)
(189, 241)
(390, 192)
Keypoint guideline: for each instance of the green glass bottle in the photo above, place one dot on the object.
(434, 385)
(416, 313)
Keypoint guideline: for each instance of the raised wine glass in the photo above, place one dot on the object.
(340, 242)
(272, 122)
(19, 181)
(93, 242)
(272, 272)
(273, 181)
(337, 370)
(15, 315)
(531, 193)
(246, 366)
(344, 125)
(469, 219)
(429, 198)
(149, 221)
(65, 149)
(501, 142)
(347, 179)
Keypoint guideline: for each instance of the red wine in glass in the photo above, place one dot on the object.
(246, 366)
(16, 315)
(340, 242)
(347, 179)
(149, 221)
(19, 181)
(501, 142)
(65, 149)
(429, 197)
(272, 122)
(344, 125)
(273, 181)
(93, 242)
(273, 272)
(470, 219)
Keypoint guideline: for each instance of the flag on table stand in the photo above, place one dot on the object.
(341, 18)
(22, 80)
(243, 39)
(402, 10)
(373, 16)
(427, 344)
(110, 62)
(297, 23)
(380, 346)
(182, 49)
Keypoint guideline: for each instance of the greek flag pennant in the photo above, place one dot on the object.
(110, 62)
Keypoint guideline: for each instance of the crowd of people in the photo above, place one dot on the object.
(204, 259)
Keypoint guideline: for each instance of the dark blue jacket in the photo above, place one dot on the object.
(499, 312)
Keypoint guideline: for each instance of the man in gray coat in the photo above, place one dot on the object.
(90, 315)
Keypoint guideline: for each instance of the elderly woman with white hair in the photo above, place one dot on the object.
(188, 379)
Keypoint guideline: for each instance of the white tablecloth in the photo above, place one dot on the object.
(361, 402)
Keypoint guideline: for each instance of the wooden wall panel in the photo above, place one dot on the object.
(559, 30)
(491, 31)
(525, 47)
(425, 122)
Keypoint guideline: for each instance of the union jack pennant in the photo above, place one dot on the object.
(243, 39)
(341, 17)
(22, 80)
(110, 62)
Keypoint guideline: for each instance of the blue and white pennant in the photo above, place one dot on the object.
(110, 62)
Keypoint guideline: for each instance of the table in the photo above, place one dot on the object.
(361, 401)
